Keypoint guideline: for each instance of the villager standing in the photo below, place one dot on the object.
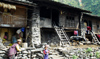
(14, 40)
(98, 36)
(88, 29)
(14, 48)
(6, 36)
(46, 52)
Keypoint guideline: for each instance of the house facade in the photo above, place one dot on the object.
(43, 20)
(14, 19)
(93, 22)
(54, 14)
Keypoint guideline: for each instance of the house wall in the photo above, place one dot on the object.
(67, 23)
(49, 36)
(45, 17)
(35, 27)
(45, 22)
(21, 13)
(95, 22)
(94, 26)
(14, 18)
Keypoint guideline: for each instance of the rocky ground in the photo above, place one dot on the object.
(66, 52)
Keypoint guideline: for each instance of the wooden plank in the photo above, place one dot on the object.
(18, 19)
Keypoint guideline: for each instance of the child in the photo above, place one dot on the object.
(46, 53)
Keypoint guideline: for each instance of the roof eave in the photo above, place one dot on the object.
(20, 3)
(63, 5)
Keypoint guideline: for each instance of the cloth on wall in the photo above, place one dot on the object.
(76, 33)
(18, 31)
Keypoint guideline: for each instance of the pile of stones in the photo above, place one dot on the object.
(3, 54)
(75, 53)
(28, 53)
(80, 53)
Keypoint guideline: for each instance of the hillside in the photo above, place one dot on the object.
(91, 5)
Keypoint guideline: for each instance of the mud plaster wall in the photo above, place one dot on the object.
(49, 36)
(9, 30)
(94, 26)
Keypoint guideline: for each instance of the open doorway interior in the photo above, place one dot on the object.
(45, 12)
(8, 34)
(49, 17)
(87, 23)
(45, 17)
(55, 17)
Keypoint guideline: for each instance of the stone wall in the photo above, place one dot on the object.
(29, 53)
(70, 53)
(36, 38)
(80, 53)
(49, 36)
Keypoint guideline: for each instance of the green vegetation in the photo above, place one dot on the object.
(75, 57)
(98, 54)
(91, 5)
(91, 54)
(88, 50)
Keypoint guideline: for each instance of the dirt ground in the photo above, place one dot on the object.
(86, 46)
(78, 46)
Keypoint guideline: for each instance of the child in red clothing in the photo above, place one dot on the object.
(46, 53)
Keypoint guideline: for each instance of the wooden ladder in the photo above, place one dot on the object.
(64, 39)
(95, 38)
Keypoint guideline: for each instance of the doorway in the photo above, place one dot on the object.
(55, 17)
(88, 23)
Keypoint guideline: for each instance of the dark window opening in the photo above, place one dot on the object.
(45, 12)
(90, 24)
(55, 17)
(97, 26)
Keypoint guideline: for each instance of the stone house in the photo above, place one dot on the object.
(45, 21)
(93, 22)
(14, 17)
(56, 22)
